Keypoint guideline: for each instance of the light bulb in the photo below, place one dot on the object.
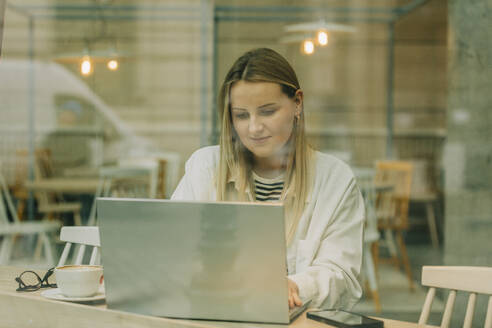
(308, 47)
(322, 38)
(113, 64)
(86, 66)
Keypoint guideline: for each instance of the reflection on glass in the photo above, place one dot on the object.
(322, 38)
(113, 64)
(152, 81)
(86, 66)
(308, 47)
(217, 275)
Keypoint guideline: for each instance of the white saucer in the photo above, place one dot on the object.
(55, 294)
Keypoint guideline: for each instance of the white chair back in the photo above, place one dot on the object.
(4, 211)
(474, 280)
(11, 229)
(82, 237)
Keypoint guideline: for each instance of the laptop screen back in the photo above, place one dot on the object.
(216, 261)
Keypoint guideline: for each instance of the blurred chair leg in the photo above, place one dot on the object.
(377, 303)
(375, 257)
(39, 247)
(390, 242)
(48, 251)
(367, 289)
(404, 255)
(371, 277)
(20, 209)
(6, 250)
(431, 221)
(77, 219)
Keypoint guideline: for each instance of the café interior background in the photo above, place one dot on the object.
(401, 79)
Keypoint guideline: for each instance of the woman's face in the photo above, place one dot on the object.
(263, 117)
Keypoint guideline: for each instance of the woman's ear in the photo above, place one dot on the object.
(298, 99)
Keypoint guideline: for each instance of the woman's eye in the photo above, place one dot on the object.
(267, 112)
(241, 116)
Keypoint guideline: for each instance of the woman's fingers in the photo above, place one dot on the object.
(294, 299)
(291, 300)
(297, 299)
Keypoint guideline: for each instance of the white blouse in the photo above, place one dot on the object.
(325, 256)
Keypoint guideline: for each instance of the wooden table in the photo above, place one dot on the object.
(64, 185)
(30, 309)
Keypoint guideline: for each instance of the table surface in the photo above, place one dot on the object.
(30, 309)
(64, 185)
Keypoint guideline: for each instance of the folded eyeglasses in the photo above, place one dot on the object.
(30, 281)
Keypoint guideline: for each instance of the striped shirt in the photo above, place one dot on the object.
(268, 190)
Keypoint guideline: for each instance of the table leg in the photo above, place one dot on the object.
(431, 221)
(391, 244)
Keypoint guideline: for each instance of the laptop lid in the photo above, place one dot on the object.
(194, 260)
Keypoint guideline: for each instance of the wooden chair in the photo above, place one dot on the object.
(81, 237)
(474, 280)
(10, 229)
(392, 208)
(365, 180)
(123, 182)
(51, 205)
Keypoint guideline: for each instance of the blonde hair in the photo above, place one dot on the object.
(263, 65)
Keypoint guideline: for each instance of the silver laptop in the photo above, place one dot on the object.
(195, 260)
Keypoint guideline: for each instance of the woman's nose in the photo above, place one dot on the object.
(255, 125)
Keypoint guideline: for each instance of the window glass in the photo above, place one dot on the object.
(72, 111)
(98, 83)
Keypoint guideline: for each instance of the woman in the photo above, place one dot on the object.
(263, 156)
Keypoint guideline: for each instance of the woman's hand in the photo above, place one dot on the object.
(294, 299)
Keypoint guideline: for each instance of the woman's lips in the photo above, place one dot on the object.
(260, 140)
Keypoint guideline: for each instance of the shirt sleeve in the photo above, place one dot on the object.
(197, 181)
(331, 279)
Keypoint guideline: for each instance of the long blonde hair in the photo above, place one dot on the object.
(263, 65)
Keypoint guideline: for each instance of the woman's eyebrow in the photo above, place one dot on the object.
(266, 105)
(260, 107)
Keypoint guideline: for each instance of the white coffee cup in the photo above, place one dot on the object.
(79, 280)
